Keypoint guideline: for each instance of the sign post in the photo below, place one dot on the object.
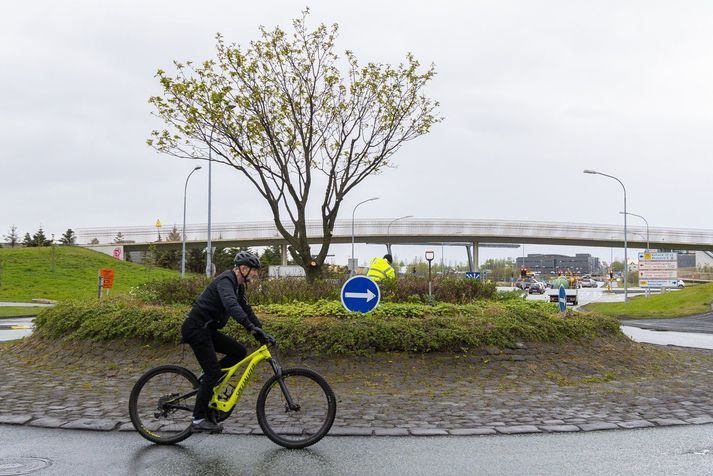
(360, 294)
(106, 280)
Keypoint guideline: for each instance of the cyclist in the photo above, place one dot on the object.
(222, 298)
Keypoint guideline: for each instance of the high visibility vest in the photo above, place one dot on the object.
(380, 269)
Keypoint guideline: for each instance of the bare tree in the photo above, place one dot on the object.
(282, 111)
(12, 237)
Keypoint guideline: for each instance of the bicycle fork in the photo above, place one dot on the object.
(291, 405)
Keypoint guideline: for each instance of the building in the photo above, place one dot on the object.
(579, 264)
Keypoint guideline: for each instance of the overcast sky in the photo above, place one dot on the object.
(532, 93)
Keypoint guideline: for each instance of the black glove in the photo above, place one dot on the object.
(261, 336)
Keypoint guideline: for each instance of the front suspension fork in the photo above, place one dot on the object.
(291, 405)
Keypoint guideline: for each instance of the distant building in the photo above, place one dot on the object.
(579, 264)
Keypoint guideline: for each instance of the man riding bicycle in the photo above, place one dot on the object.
(222, 298)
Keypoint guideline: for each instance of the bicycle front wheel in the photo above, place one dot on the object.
(308, 420)
(161, 404)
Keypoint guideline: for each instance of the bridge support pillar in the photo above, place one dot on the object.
(283, 252)
(475, 266)
(472, 258)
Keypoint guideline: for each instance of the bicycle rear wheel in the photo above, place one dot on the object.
(161, 404)
(305, 424)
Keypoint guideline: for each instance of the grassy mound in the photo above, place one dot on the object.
(65, 272)
(326, 328)
(686, 302)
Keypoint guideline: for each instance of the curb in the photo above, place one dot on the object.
(122, 425)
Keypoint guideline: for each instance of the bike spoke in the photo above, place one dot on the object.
(295, 428)
(163, 406)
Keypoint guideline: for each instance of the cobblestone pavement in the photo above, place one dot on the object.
(531, 389)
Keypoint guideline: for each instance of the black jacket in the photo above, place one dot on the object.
(223, 298)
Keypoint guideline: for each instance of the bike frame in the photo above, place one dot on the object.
(251, 360)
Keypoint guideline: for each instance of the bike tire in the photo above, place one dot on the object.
(318, 408)
(153, 418)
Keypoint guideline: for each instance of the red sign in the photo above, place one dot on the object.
(117, 253)
(107, 275)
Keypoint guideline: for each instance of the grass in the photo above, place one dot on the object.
(686, 302)
(11, 311)
(65, 272)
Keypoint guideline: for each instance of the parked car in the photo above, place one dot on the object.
(537, 287)
(680, 283)
(588, 283)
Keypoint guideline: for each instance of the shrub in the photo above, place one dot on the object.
(324, 327)
(171, 291)
(446, 289)
(286, 290)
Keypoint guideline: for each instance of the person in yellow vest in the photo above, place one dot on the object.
(380, 268)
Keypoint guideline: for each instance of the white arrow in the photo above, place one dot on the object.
(368, 295)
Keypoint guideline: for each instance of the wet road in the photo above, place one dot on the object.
(15, 328)
(669, 450)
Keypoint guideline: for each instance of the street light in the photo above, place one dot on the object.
(647, 226)
(353, 270)
(183, 252)
(626, 261)
(388, 228)
(209, 250)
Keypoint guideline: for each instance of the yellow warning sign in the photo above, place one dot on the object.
(158, 223)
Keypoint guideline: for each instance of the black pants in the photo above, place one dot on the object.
(205, 343)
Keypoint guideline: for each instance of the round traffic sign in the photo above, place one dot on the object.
(360, 294)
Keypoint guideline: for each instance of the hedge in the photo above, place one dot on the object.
(453, 290)
(326, 328)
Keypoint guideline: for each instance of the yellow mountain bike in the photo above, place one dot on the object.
(295, 408)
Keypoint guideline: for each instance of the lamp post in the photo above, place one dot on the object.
(626, 261)
(353, 268)
(388, 230)
(647, 226)
(429, 258)
(183, 247)
(209, 250)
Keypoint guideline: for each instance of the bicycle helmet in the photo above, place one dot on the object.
(247, 258)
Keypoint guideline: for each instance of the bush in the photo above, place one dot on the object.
(325, 327)
(170, 291)
(287, 290)
(446, 289)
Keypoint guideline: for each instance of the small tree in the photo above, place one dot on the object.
(12, 237)
(286, 116)
(68, 238)
(27, 241)
(94, 241)
(195, 260)
(119, 238)
(40, 239)
(271, 256)
(174, 235)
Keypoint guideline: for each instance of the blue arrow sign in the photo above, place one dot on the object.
(360, 294)
(472, 274)
(562, 298)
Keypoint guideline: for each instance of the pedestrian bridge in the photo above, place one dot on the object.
(413, 231)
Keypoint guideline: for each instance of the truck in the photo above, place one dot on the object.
(571, 291)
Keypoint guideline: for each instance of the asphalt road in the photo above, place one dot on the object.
(15, 328)
(673, 450)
